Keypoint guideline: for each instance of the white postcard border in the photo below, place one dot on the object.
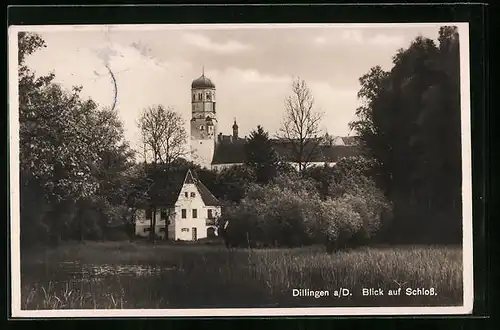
(13, 129)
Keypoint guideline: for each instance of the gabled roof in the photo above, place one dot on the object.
(169, 188)
(189, 178)
(234, 153)
(206, 195)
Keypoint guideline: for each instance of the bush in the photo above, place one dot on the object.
(272, 215)
(289, 212)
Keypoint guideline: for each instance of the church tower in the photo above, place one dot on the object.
(203, 121)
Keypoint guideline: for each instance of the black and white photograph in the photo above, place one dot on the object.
(240, 170)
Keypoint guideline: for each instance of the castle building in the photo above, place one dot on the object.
(203, 121)
(213, 150)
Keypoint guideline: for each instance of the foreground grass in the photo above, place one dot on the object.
(211, 276)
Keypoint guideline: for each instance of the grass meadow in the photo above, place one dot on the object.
(141, 275)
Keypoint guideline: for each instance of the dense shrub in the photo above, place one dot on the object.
(290, 212)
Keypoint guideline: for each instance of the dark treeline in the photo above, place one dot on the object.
(410, 123)
(79, 178)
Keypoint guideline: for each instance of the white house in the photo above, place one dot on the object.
(189, 216)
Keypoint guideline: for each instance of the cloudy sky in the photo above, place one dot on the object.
(252, 67)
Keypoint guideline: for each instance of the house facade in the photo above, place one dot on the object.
(189, 217)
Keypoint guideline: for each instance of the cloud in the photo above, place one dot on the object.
(320, 40)
(357, 37)
(141, 80)
(203, 42)
(256, 77)
(143, 48)
(382, 39)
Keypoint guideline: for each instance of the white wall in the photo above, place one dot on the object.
(219, 167)
(189, 203)
(202, 152)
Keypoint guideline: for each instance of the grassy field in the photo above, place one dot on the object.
(140, 275)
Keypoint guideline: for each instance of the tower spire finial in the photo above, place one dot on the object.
(203, 70)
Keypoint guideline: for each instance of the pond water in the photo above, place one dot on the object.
(88, 285)
(93, 272)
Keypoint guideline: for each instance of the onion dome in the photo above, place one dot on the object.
(202, 82)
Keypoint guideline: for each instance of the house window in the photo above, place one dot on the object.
(195, 213)
(199, 97)
(209, 96)
(186, 194)
(163, 214)
(147, 230)
(201, 128)
(193, 194)
(162, 230)
(149, 214)
(183, 213)
(185, 229)
(209, 214)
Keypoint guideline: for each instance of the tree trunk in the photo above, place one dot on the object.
(153, 226)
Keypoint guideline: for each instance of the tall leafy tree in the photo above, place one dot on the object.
(261, 156)
(232, 182)
(410, 123)
(63, 142)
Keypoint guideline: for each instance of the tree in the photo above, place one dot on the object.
(301, 124)
(63, 141)
(232, 182)
(261, 156)
(163, 134)
(164, 139)
(410, 123)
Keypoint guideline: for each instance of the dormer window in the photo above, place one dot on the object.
(186, 194)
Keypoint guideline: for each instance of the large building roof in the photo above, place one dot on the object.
(234, 152)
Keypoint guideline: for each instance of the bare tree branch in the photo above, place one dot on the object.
(301, 124)
(164, 139)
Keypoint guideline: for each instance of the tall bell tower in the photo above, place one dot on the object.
(203, 121)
